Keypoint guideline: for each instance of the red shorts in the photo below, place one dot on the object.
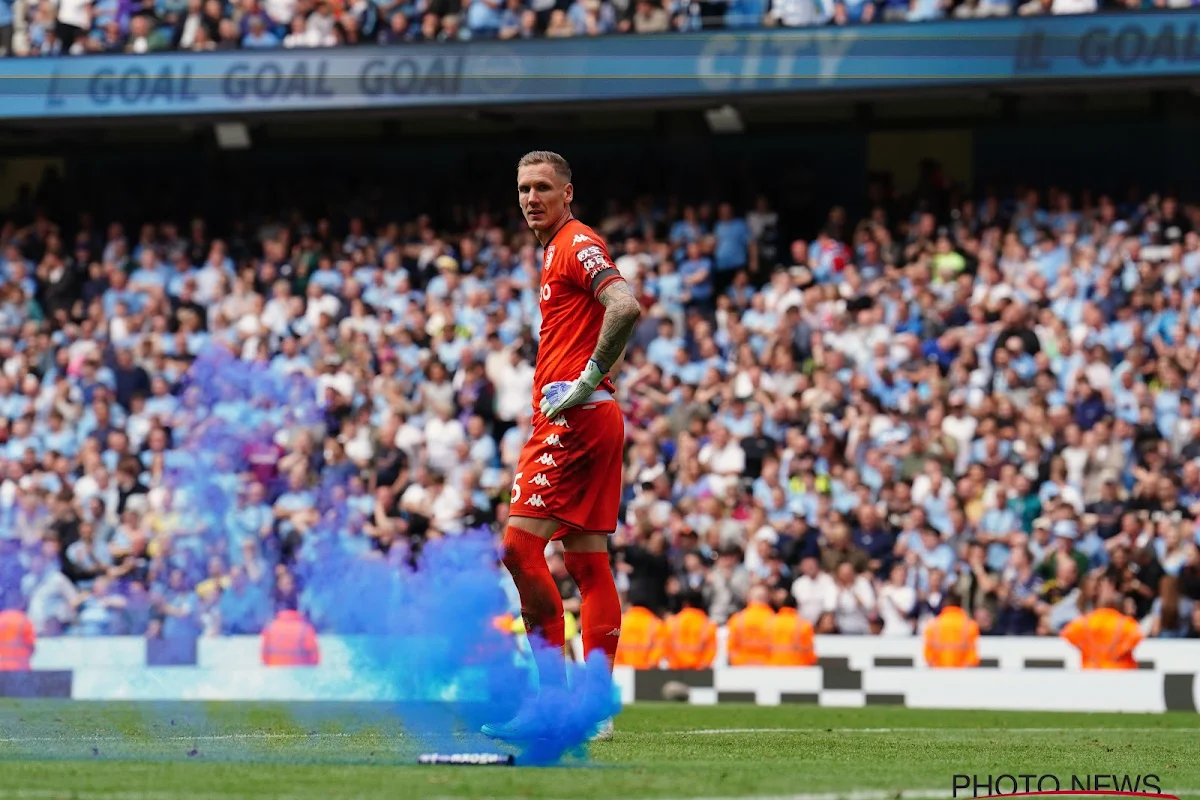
(570, 469)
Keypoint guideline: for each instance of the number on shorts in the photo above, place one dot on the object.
(516, 490)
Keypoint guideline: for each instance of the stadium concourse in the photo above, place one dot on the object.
(996, 401)
(75, 27)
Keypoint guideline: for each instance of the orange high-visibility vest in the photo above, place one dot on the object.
(690, 640)
(950, 640)
(290, 641)
(1106, 639)
(640, 646)
(750, 635)
(16, 641)
(791, 640)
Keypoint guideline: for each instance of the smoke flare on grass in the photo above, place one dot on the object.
(421, 626)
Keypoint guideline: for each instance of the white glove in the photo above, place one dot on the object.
(561, 395)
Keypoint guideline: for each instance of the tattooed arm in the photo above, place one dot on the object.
(621, 314)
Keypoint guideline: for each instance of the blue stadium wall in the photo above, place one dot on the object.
(993, 100)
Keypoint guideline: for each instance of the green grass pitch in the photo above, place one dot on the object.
(213, 751)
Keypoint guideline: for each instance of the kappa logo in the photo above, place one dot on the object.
(579, 237)
(540, 480)
(536, 501)
(546, 460)
(553, 440)
(560, 422)
(549, 255)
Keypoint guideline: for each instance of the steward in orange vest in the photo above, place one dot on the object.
(690, 637)
(950, 638)
(16, 641)
(749, 641)
(640, 646)
(1106, 638)
(791, 637)
(290, 641)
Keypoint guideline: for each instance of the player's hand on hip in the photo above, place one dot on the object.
(561, 395)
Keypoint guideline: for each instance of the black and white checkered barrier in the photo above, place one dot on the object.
(1036, 674)
(1038, 687)
(859, 652)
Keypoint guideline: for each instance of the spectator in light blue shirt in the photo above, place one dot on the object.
(244, 609)
(483, 18)
(252, 520)
(661, 350)
(60, 438)
(179, 607)
(924, 10)
(450, 348)
(258, 37)
(999, 521)
(161, 403)
(182, 276)
(590, 17)
(512, 23)
(689, 372)
(932, 554)
(327, 277)
(853, 11)
(295, 505)
(670, 288)
(686, 231)
(733, 240)
(100, 612)
(745, 13)
(696, 271)
(150, 274)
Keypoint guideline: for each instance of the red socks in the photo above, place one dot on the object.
(541, 604)
(601, 613)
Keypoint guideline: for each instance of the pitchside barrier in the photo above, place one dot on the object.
(1017, 673)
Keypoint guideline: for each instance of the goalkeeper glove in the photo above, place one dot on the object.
(561, 395)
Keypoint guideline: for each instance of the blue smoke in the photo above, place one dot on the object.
(421, 622)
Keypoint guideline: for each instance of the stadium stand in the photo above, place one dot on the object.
(991, 397)
(76, 27)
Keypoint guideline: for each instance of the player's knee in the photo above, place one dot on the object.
(511, 558)
(587, 569)
(510, 561)
(578, 568)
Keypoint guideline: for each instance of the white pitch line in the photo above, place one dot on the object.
(855, 794)
(87, 794)
(218, 737)
(955, 731)
(852, 794)
(880, 794)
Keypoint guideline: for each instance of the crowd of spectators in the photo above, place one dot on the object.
(994, 398)
(74, 27)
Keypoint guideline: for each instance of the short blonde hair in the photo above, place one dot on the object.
(536, 157)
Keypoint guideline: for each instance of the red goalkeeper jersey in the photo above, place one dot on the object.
(576, 269)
